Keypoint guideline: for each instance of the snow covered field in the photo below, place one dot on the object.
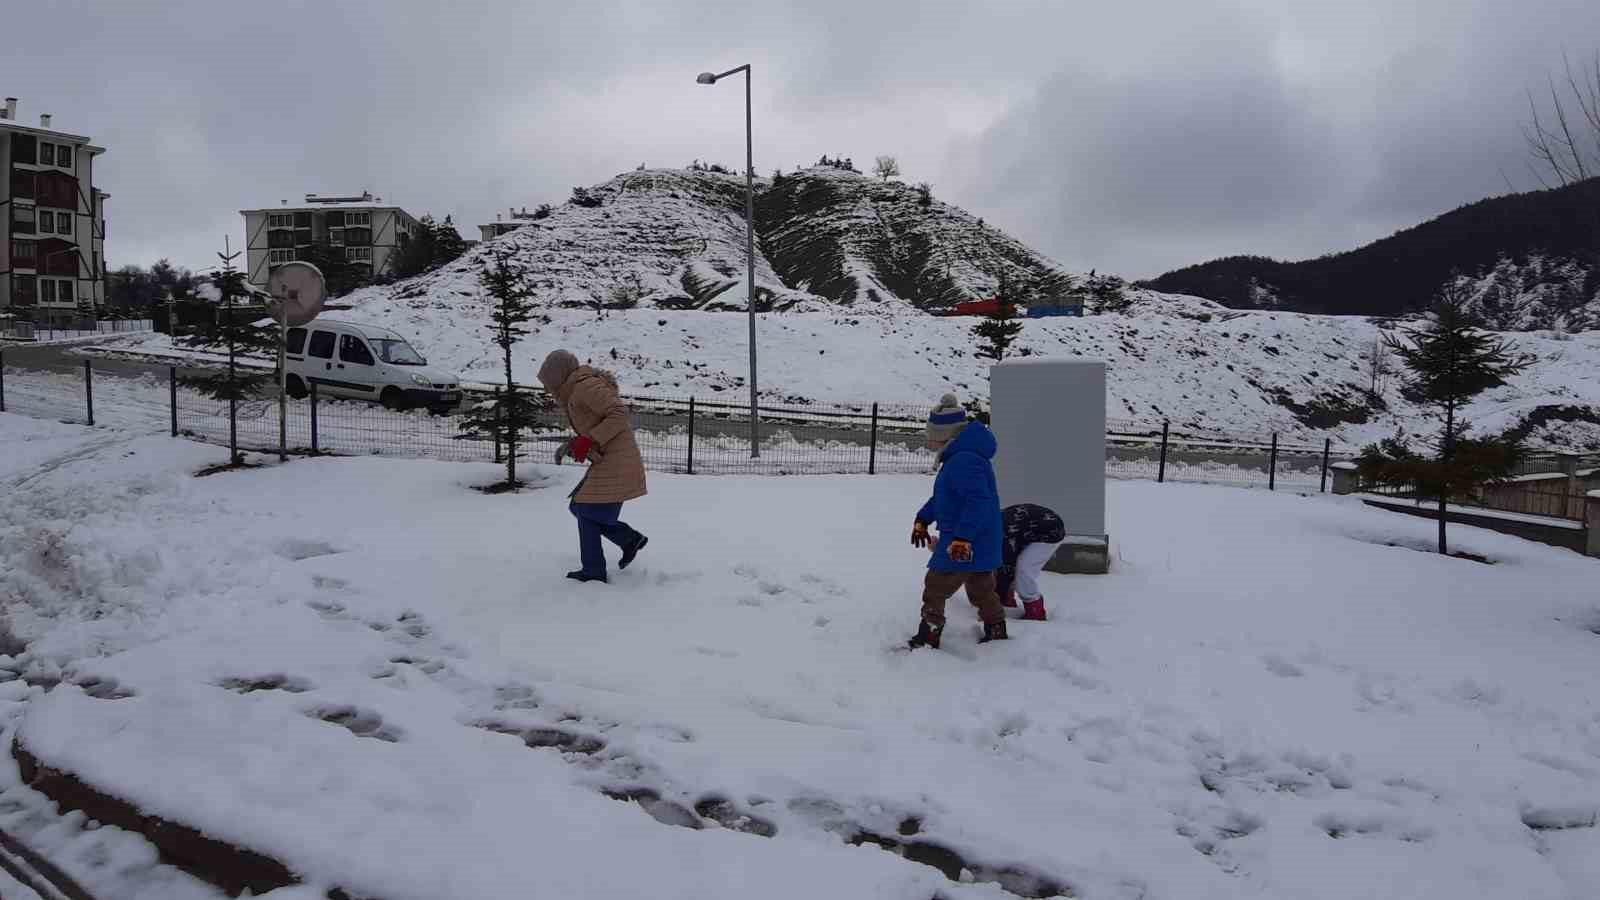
(377, 675)
(1231, 375)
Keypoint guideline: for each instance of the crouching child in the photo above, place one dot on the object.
(1032, 533)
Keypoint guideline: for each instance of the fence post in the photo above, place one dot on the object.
(1272, 465)
(88, 390)
(172, 391)
(1161, 470)
(872, 454)
(2, 381)
(496, 428)
(316, 447)
(691, 435)
(1327, 449)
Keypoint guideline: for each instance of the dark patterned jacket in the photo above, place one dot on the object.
(1024, 524)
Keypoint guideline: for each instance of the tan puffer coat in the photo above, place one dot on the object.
(589, 397)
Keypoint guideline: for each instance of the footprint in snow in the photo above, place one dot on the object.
(276, 681)
(363, 723)
(1281, 667)
(297, 549)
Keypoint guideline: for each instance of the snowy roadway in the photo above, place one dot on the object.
(367, 670)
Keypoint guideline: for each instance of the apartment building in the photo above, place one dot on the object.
(369, 232)
(52, 251)
(518, 218)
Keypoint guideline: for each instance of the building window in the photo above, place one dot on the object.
(22, 254)
(334, 220)
(302, 220)
(280, 220)
(47, 290)
(64, 291)
(358, 254)
(64, 154)
(280, 238)
(47, 153)
(24, 149)
(358, 218)
(63, 223)
(278, 257)
(22, 220)
(358, 237)
(46, 221)
(336, 237)
(24, 184)
(23, 290)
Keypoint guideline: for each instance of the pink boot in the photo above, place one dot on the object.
(1033, 610)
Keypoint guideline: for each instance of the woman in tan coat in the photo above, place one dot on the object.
(589, 398)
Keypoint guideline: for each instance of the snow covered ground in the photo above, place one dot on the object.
(378, 675)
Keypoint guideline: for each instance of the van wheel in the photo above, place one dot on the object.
(296, 388)
(391, 398)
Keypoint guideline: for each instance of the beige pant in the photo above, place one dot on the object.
(941, 586)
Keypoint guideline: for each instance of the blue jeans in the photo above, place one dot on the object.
(597, 520)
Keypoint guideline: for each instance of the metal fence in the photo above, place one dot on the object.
(16, 330)
(679, 434)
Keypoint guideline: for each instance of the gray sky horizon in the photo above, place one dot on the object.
(1133, 139)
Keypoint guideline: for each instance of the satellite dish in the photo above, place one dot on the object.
(297, 290)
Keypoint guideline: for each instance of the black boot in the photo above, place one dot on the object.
(581, 575)
(993, 631)
(927, 636)
(632, 550)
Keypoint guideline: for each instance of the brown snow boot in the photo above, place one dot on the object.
(993, 631)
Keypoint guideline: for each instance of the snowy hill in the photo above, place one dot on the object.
(847, 267)
(675, 239)
(1532, 254)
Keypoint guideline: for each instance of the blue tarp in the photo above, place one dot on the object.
(1042, 312)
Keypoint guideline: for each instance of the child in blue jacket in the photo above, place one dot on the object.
(966, 507)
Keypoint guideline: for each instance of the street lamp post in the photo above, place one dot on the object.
(749, 243)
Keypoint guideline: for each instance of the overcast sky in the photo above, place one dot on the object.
(1132, 137)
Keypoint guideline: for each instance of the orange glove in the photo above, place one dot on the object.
(919, 534)
(960, 550)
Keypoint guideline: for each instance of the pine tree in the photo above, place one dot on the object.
(1448, 361)
(447, 242)
(514, 408)
(1108, 294)
(999, 329)
(338, 271)
(236, 335)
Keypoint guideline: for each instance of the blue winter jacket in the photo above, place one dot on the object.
(965, 503)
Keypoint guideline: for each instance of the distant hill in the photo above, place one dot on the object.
(1532, 260)
(825, 238)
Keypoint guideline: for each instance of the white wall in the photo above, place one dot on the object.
(1050, 419)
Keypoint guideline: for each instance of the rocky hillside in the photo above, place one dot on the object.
(675, 239)
(1533, 258)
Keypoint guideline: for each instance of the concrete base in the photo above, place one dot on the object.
(1082, 555)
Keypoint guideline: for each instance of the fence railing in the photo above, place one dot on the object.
(1552, 499)
(30, 331)
(675, 433)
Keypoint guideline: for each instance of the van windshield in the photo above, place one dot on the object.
(396, 352)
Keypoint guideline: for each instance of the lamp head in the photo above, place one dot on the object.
(706, 78)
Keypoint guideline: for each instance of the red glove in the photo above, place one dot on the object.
(581, 447)
(960, 551)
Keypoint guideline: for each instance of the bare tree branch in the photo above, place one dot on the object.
(1574, 148)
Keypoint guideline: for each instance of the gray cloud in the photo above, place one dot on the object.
(1130, 137)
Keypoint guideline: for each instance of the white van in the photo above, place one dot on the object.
(365, 362)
